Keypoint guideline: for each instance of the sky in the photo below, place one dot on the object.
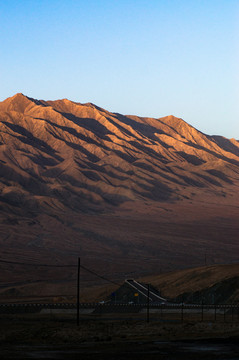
(148, 58)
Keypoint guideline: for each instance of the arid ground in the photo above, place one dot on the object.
(28, 337)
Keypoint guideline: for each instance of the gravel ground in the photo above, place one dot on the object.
(42, 337)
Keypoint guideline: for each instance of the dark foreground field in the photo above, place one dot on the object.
(58, 337)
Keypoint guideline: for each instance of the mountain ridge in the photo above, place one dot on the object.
(92, 154)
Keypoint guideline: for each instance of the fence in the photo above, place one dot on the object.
(151, 312)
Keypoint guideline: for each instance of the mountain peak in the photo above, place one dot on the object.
(19, 95)
(17, 102)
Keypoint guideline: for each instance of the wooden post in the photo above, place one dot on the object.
(78, 293)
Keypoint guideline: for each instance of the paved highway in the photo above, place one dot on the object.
(143, 290)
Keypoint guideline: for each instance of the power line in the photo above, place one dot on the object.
(30, 264)
(43, 296)
(100, 276)
(61, 266)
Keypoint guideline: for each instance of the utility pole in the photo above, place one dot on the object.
(148, 305)
(202, 309)
(182, 308)
(78, 293)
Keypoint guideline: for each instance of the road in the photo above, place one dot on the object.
(143, 290)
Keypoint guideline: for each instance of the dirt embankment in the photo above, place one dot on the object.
(213, 284)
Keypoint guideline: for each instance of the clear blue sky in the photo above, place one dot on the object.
(148, 58)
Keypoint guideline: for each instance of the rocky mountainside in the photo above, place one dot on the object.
(131, 195)
(62, 154)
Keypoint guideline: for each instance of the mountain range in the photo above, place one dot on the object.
(76, 179)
